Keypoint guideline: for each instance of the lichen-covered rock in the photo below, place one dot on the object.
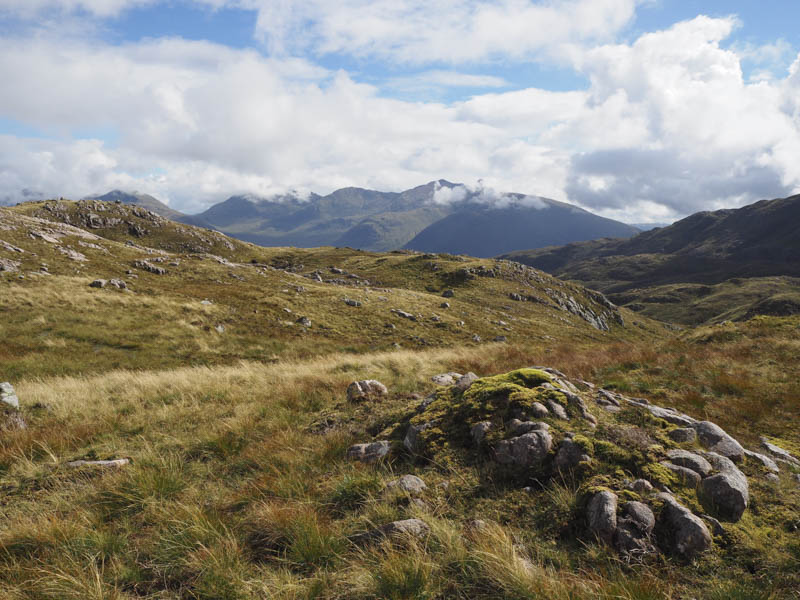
(8, 395)
(446, 378)
(465, 381)
(570, 455)
(526, 450)
(411, 439)
(690, 460)
(558, 411)
(634, 529)
(765, 461)
(601, 515)
(714, 438)
(686, 476)
(98, 283)
(641, 486)
(779, 452)
(479, 431)
(369, 453)
(408, 483)
(684, 532)
(516, 427)
(683, 435)
(367, 389)
(407, 528)
(727, 493)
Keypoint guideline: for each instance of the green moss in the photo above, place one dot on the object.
(610, 452)
(659, 474)
(584, 443)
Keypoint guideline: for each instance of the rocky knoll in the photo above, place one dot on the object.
(650, 479)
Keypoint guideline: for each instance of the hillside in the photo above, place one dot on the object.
(191, 429)
(709, 266)
(479, 230)
(255, 295)
(381, 221)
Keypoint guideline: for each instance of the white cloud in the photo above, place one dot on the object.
(450, 31)
(667, 125)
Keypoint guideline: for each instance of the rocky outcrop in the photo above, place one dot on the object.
(366, 389)
(726, 493)
(410, 484)
(526, 450)
(8, 395)
(369, 453)
(407, 528)
(569, 456)
(714, 438)
(632, 537)
(683, 533)
(601, 516)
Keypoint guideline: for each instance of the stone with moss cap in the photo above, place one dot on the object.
(526, 450)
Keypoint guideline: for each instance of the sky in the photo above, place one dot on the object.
(639, 110)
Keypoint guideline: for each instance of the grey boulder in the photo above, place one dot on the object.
(365, 390)
(714, 438)
(369, 453)
(601, 516)
(684, 532)
(526, 450)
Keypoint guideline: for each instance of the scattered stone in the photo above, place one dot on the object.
(601, 516)
(366, 389)
(8, 265)
(685, 533)
(634, 530)
(408, 483)
(117, 462)
(98, 283)
(351, 302)
(8, 395)
(683, 435)
(714, 438)
(408, 528)
(716, 526)
(448, 293)
(476, 338)
(446, 378)
(304, 321)
(779, 452)
(404, 314)
(766, 462)
(150, 268)
(465, 381)
(118, 283)
(558, 411)
(369, 453)
(444, 305)
(479, 431)
(526, 450)
(690, 460)
(668, 414)
(569, 456)
(516, 427)
(641, 486)
(538, 410)
(500, 338)
(687, 476)
(411, 440)
(220, 328)
(727, 493)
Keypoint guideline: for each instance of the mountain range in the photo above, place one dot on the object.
(477, 223)
(724, 264)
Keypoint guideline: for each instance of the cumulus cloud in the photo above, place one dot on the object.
(481, 193)
(667, 124)
(450, 31)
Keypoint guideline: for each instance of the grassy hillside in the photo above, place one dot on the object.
(221, 300)
(239, 485)
(707, 267)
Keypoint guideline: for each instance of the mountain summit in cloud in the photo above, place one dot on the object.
(439, 216)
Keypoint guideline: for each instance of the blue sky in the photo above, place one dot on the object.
(194, 101)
